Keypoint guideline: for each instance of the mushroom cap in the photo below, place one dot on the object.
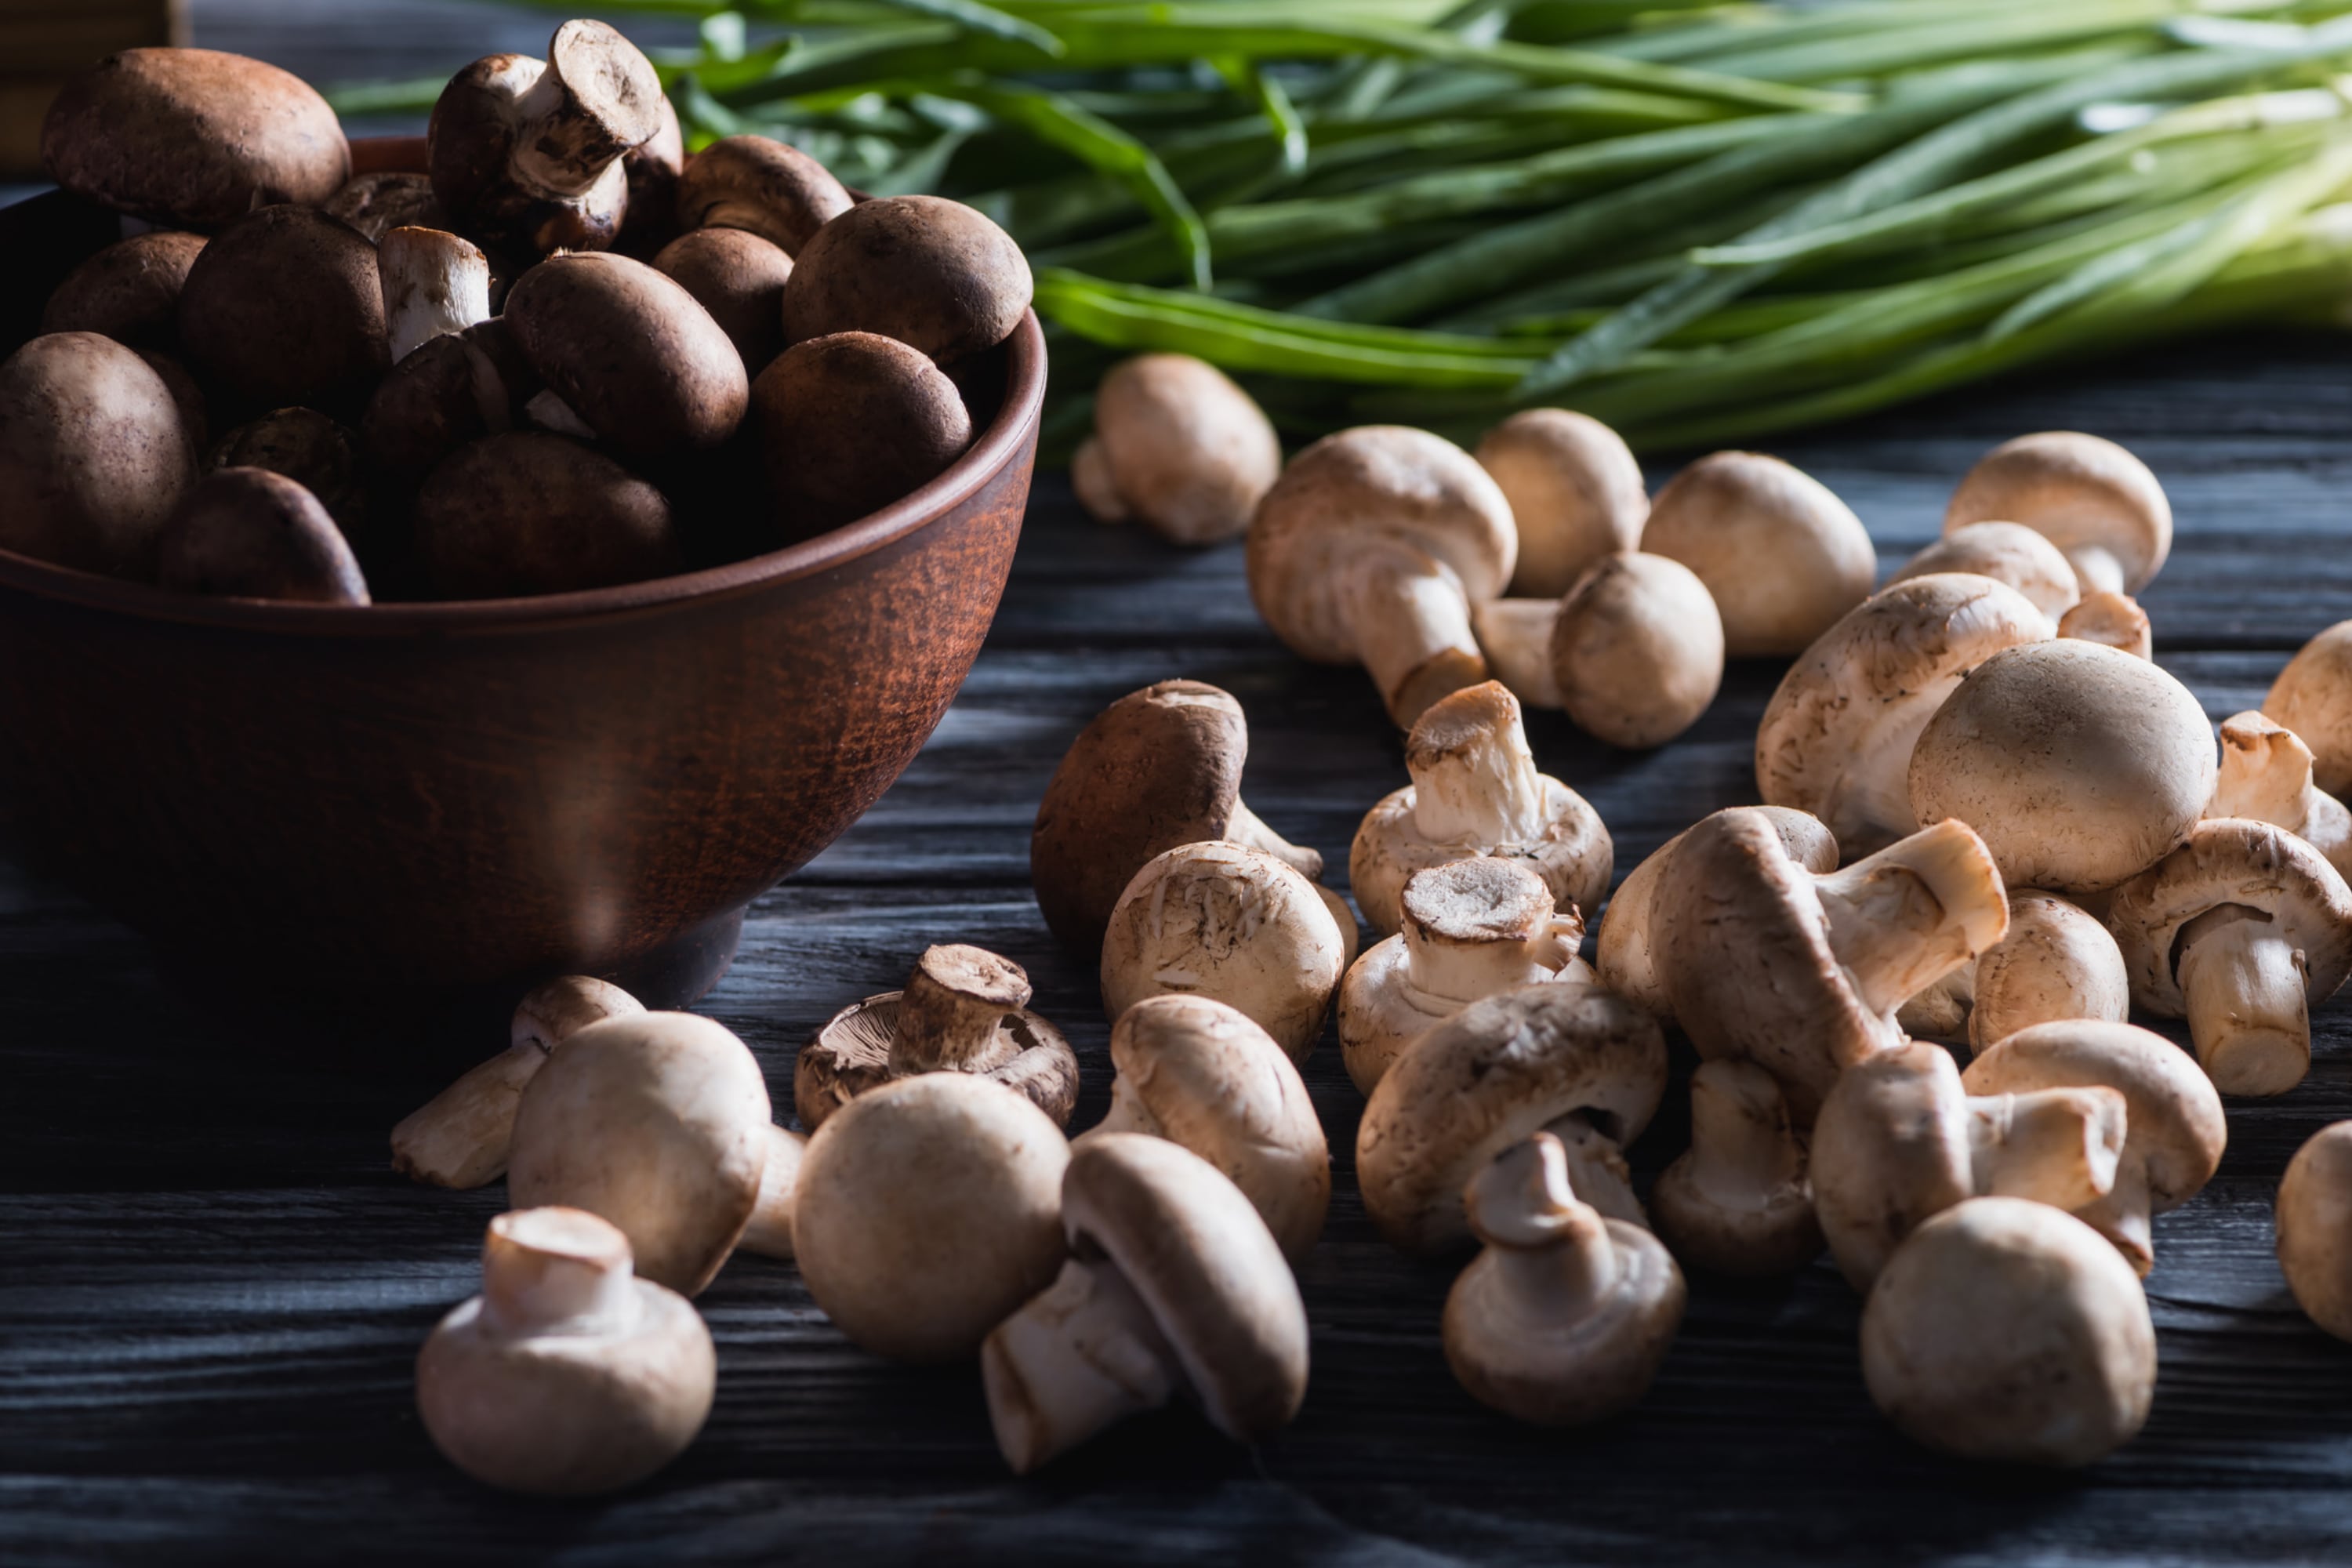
(2007, 553)
(739, 278)
(1187, 450)
(1232, 923)
(1188, 1242)
(129, 291)
(286, 306)
(317, 452)
(2082, 492)
(630, 352)
(552, 1013)
(756, 184)
(1362, 492)
(458, 387)
(1759, 1231)
(1496, 1072)
(379, 202)
(933, 273)
(192, 137)
(1158, 768)
(1782, 555)
(1574, 489)
(1837, 737)
(850, 1053)
(94, 454)
(248, 533)
(2009, 1330)
(1201, 1074)
(2058, 961)
(928, 1210)
(2078, 764)
(658, 1121)
(653, 169)
(528, 512)
(2231, 860)
(2115, 619)
(1890, 1149)
(2315, 1228)
(1637, 649)
(2313, 696)
(850, 422)
(2173, 1124)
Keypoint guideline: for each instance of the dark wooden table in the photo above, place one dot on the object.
(212, 1285)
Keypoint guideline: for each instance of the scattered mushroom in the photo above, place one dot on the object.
(568, 1374)
(2005, 1330)
(2058, 961)
(2266, 776)
(761, 186)
(2239, 930)
(658, 1121)
(2113, 619)
(528, 512)
(1900, 1138)
(1564, 1317)
(934, 274)
(1472, 928)
(1738, 1201)
(1574, 489)
(2007, 553)
(1781, 555)
(1371, 549)
(1837, 737)
(1232, 923)
(129, 291)
(1178, 445)
(1173, 1285)
(460, 1137)
(928, 1210)
(1802, 973)
(2314, 1228)
(851, 422)
(1634, 651)
(2174, 1131)
(964, 1009)
(739, 278)
(1475, 792)
(248, 533)
(379, 202)
(2094, 499)
(769, 1232)
(1199, 1073)
(433, 283)
(94, 454)
(2077, 764)
(284, 306)
(1574, 1061)
(2313, 696)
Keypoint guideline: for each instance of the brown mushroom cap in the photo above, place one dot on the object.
(2314, 1228)
(1574, 489)
(379, 202)
(94, 454)
(2094, 499)
(934, 274)
(528, 512)
(851, 422)
(313, 450)
(2006, 1330)
(248, 533)
(630, 352)
(285, 306)
(929, 1210)
(129, 291)
(2313, 696)
(2007, 553)
(192, 137)
(755, 184)
(1837, 737)
(1637, 650)
(1176, 443)
(458, 388)
(2077, 764)
(1782, 556)
(653, 168)
(739, 278)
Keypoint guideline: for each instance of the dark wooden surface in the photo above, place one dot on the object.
(212, 1285)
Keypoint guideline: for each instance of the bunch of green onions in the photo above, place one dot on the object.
(1702, 223)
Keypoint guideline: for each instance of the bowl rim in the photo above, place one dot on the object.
(990, 454)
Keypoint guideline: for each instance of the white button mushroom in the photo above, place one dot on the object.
(1371, 547)
(1782, 556)
(1900, 1138)
(1230, 923)
(964, 1010)
(1574, 488)
(2094, 499)
(1837, 737)
(769, 1232)
(1565, 1316)
(1178, 445)
(2007, 553)
(2313, 696)
(1173, 1286)
(1475, 791)
(2113, 620)
(1573, 1061)
(567, 1375)
(928, 1210)
(1472, 929)
(1738, 1201)
(2314, 1228)
(2057, 962)
(2078, 765)
(2239, 930)
(2174, 1131)
(2266, 776)
(1803, 975)
(1199, 1073)
(1634, 652)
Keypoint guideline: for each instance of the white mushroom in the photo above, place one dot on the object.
(2314, 1228)
(1179, 446)
(2007, 552)
(2266, 776)
(2058, 961)
(1738, 1201)
(2313, 696)
(1634, 651)
(2094, 499)
(1782, 556)
(1574, 489)
(2113, 620)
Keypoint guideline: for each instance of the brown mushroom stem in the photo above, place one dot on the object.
(433, 283)
(955, 1010)
(2244, 984)
(1903, 918)
(2113, 620)
(1742, 1150)
(1550, 1243)
(1244, 827)
(1597, 1170)
(2055, 1146)
(769, 1232)
(547, 1271)
(1081, 1356)
(563, 139)
(1484, 789)
(458, 1138)
(1410, 620)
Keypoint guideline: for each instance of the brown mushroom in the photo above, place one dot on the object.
(1634, 652)
(849, 422)
(1178, 445)
(1574, 489)
(129, 291)
(759, 185)
(653, 168)
(94, 454)
(378, 203)
(1781, 555)
(248, 533)
(284, 306)
(2094, 499)
(2313, 696)
(934, 274)
(313, 450)
(739, 278)
(2058, 961)
(458, 388)
(533, 513)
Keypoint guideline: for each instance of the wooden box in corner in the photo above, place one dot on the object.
(42, 42)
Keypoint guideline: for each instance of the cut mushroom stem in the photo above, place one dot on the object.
(587, 109)
(1474, 779)
(1903, 918)
(1597, 1170)
(434, 283)
(769, 1232)
(2057, 1146)
(1085, 1355)
(2246, 988)
(1550, 1243)
(2113, 620)
(556, 1270)
(952, 1012)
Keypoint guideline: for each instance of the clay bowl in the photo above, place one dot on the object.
(455, 799)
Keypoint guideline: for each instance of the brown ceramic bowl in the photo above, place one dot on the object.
(436, 798)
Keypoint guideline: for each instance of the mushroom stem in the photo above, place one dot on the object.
(2122, 1217)
(1097, 490)
(2245, 988)
(1742, 1149)
(2096, 568)
(953, 1011)
(1908, 916)
(2266, 773)
(1244, 827)
(1549, 1246)
(460, 1138)
(557, 1271)
(768, 1232)
(433, 283)
(1596, 1170)
(1082, 1355)
(1410, 619)
(550, 411)
(1516, 636)
(1458, 972)
(563, 144)
(1482, 790)
(2055, 1146)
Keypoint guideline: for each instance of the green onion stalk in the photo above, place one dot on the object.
(1702, 222)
